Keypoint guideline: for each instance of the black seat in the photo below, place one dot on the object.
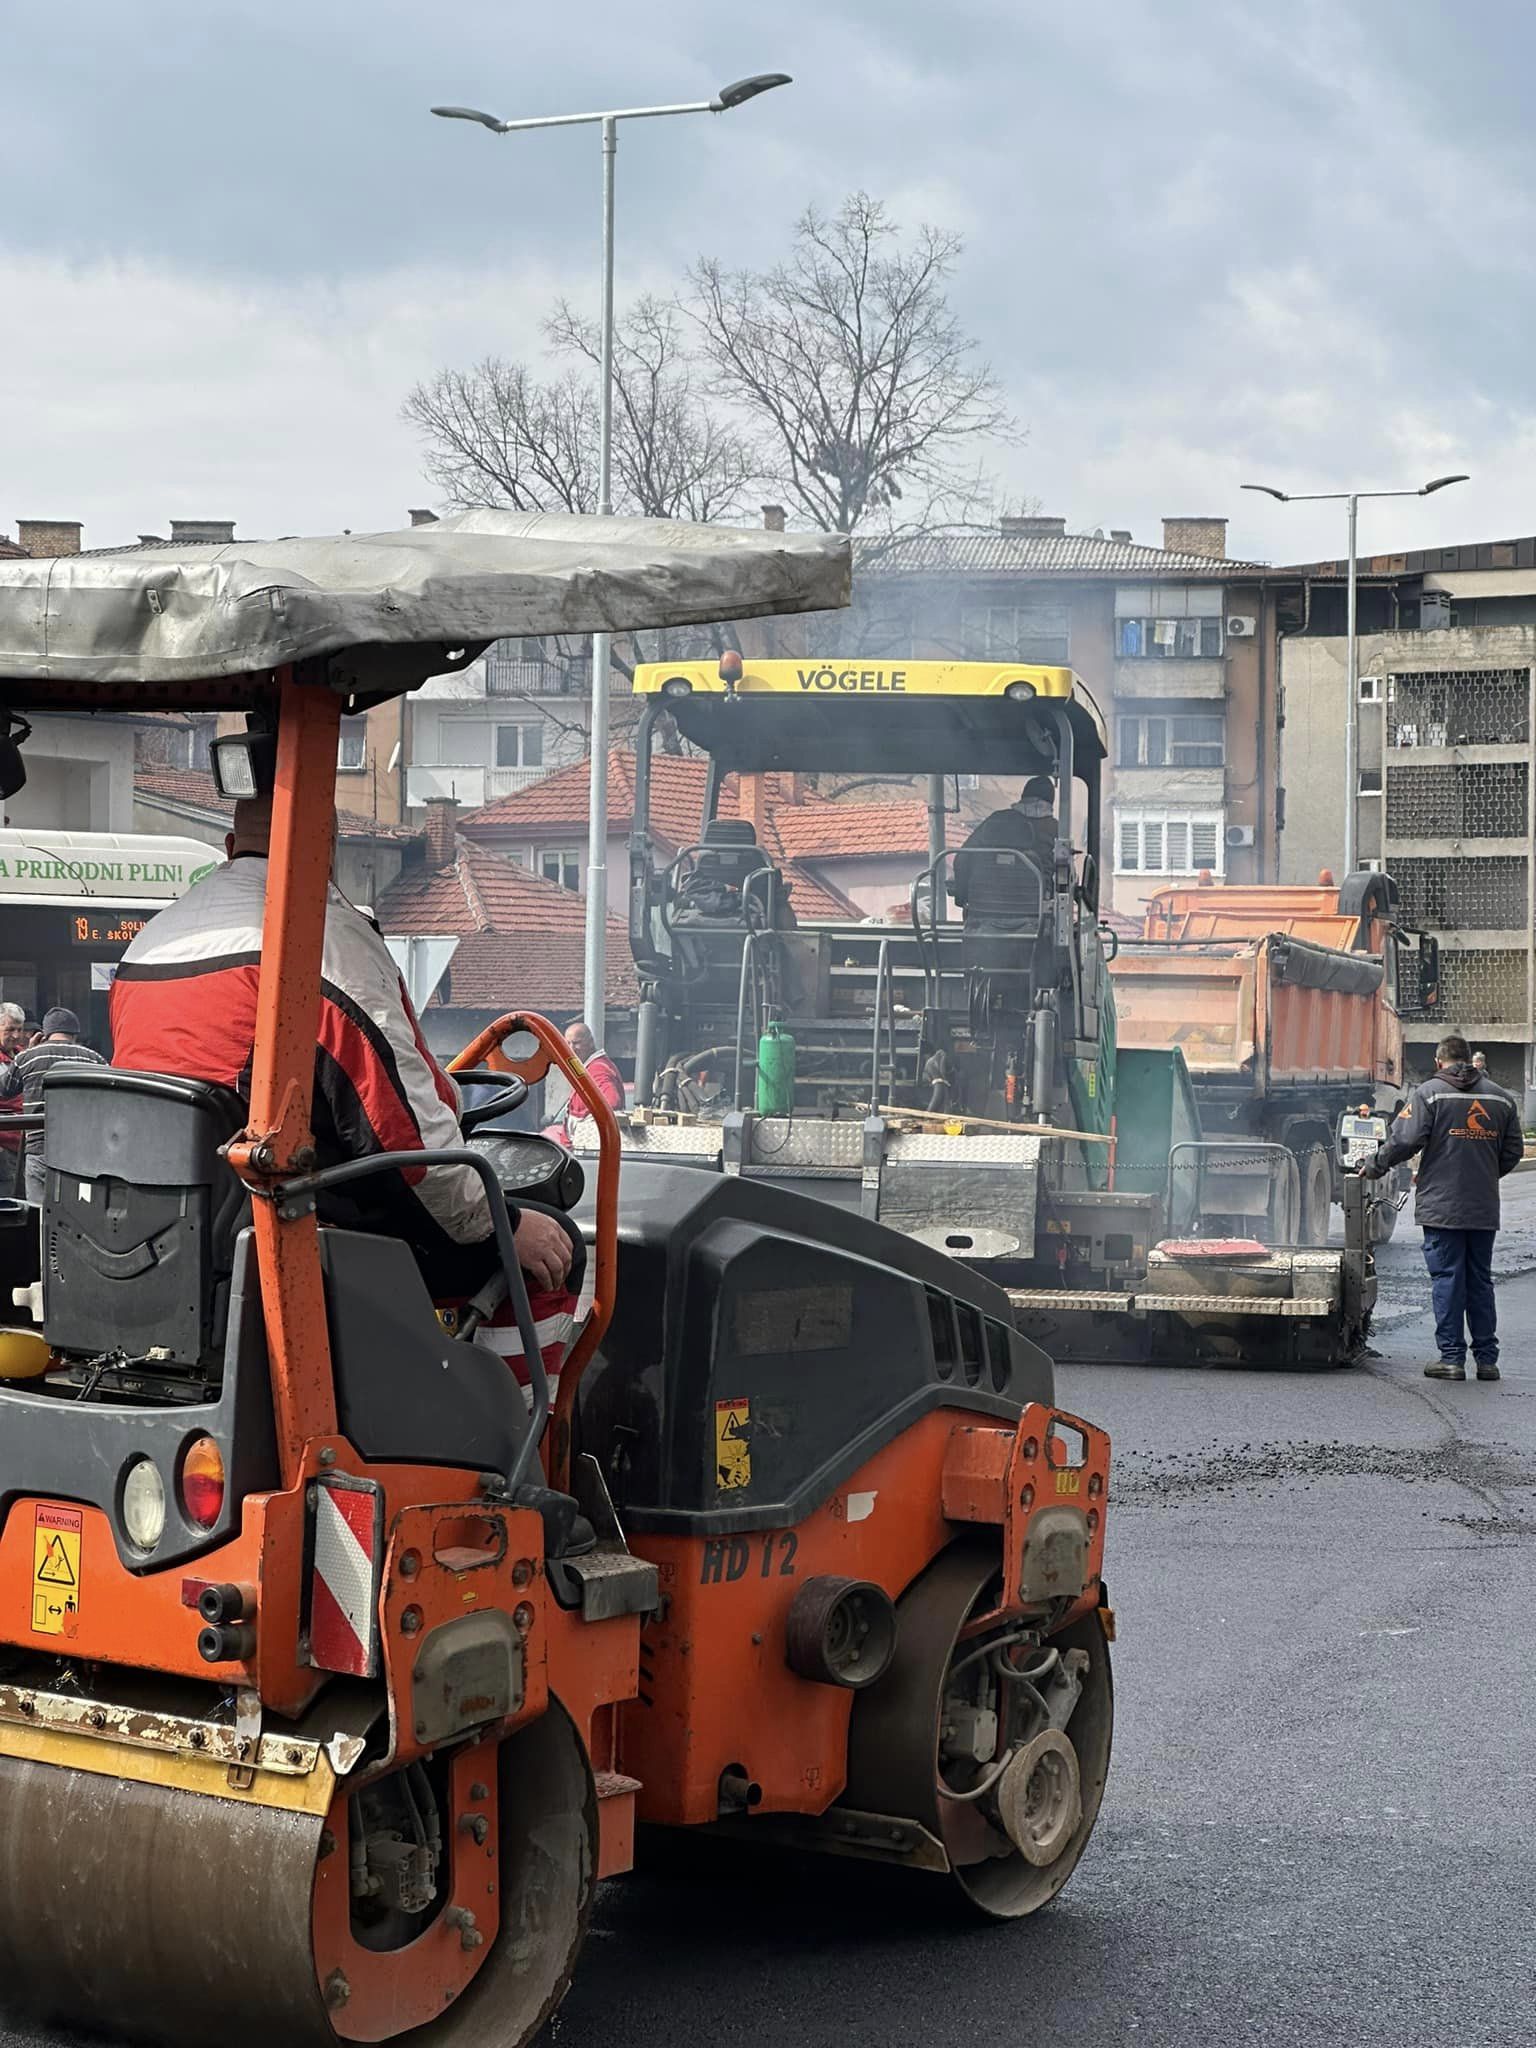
(136, 1192)
(719, 886)
(1004, 911)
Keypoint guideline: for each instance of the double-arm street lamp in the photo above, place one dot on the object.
(1352, 685)
(594, 974)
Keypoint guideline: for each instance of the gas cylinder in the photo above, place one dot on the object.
(775, 1072)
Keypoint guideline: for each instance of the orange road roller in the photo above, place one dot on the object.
(340, 1660)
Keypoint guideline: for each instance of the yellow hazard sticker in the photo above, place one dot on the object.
(733, 1444)
(56, 1536)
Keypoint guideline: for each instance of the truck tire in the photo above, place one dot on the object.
(1316, 1168)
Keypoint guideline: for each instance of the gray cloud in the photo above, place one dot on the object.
(1286, 242)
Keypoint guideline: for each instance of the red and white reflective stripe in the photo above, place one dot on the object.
(344, 1581)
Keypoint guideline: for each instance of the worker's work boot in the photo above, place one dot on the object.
(1487, 1370)
(1445, 1369)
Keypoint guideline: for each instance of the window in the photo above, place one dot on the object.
(1168, 842)
(1015, 632)
(1370, 782)
(519, 746)
(1169, 639)
(1174, 621)
(352, 745)
(561, 864)
(1370, 690)
(1173, 741)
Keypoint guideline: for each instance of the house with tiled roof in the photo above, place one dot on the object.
(842, 859)
(186, 801)
(1178, 643)
(519, 939)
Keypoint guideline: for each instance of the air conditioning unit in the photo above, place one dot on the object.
(1239, 835)
(1242, 627)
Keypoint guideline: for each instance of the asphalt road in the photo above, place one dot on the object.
(1321, 1816)
(1320, 1822)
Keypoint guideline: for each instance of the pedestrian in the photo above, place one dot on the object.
(1466, 1133)
(1480, 1061)
(13, 1036)
(56, 1045)
(602, 1072)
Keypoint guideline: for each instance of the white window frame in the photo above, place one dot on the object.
(353, 728)
(569, 858)
(1158, 831)
(1173, 740)
(1371, 691)
(522, 727)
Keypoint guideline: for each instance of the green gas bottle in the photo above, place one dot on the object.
(776, 1072)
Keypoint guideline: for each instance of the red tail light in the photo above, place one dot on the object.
(202, 1482)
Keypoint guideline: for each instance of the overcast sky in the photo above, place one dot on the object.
(1287, 242)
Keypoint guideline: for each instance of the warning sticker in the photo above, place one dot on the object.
(56, 1536)
(733, 1444)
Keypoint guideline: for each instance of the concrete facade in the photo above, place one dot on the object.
(1178, 646)
(1446, 804)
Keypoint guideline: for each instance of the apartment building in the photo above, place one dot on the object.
(1444, 783)
(1177, 643)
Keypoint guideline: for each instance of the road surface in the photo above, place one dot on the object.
(1321, 1816)
(1319, 1823)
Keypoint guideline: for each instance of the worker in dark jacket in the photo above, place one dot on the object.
(1466, 1133)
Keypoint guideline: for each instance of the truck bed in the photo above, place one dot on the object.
(1266, 1015)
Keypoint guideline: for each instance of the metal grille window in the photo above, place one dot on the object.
(1167, 842)
(1173, 742)
(1466, 707)
(1016, 632)
(1483, 987)
(1463, 895)
(1457, 800)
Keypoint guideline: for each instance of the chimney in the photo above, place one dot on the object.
(217, 533)
(44, 537)
(1032, 525)
(773, 518)
(1119, 533)
(442, 830)
(420, 516)
(754, 804)
(1206, 537)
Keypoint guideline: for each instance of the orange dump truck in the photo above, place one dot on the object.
(1284, 1002)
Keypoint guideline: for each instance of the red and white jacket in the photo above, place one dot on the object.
(184, 1002)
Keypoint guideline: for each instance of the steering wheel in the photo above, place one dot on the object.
(511, 1093)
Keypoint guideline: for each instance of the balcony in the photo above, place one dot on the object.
(512, 677)
(468, 785)
(1155, 675)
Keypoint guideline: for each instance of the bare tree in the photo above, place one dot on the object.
(850, 366)
(496, 435)
(675, 456)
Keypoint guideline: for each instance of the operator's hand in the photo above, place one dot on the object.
(543, 1249)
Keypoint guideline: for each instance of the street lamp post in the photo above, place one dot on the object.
(1352, 654)
(595, 964)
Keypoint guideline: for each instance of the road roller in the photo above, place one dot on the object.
(340, 1661)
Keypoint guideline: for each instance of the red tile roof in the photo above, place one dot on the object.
(521, 937)
(833, 831)
(798, 829)
(194, 790)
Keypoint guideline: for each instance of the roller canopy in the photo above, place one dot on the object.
(384, 610)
